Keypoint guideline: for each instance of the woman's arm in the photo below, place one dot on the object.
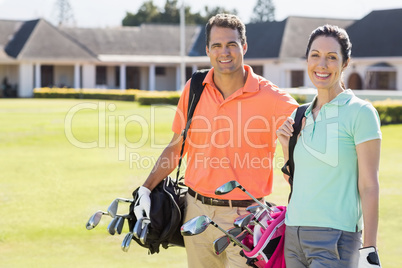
(368, 157)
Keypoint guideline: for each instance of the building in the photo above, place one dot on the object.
(38, 54)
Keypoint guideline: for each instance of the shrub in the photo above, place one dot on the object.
(301, 99)
(71, 93)
(390, 111)
(158, 97)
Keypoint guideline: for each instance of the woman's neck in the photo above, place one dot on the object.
(326, 95)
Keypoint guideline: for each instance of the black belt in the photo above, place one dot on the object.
(221, 202)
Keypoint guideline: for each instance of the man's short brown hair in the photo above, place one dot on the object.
(226, 21)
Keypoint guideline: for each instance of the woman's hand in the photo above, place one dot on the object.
(285, 131)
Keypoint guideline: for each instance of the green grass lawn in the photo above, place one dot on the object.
(62, 160)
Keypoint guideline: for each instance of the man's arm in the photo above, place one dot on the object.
(166, 163)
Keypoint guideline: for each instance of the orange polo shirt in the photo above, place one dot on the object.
(233, 138)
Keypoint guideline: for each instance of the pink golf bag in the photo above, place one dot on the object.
(267, 246)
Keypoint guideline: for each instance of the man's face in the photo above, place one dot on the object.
(225, 50)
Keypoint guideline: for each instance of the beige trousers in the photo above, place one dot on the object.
(199, 248)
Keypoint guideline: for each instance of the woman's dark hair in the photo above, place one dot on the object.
(336, 32)
(226, 21)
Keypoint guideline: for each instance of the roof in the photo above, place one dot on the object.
(276, 39)
(38, 39)
(377, 34)
(147, 39)
(7, 30)
(372, 36)
(298, 30)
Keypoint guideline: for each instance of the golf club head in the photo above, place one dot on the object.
(125, 245)
(112, 209)
(139, 226)
(235, 231)
(243, 220)
(195, 226)
(254, 209)
(227, 188)
(111, 227)
(144, 233)
(242, 235)
(94, 220)
(221, 244)
(119, 224)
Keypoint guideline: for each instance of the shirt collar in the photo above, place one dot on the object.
(339, 100)
(251, 85)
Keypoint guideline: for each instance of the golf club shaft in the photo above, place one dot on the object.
(234, 239)
(255, 199)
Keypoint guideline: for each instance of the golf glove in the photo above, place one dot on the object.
(368, 258)
(143, 205)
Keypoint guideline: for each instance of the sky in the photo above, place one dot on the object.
(110, 13)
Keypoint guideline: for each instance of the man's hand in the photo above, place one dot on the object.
(369, 258)
(143, 205)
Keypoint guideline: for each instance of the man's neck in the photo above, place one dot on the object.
(230, 83)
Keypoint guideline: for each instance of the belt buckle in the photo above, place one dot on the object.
(205, 200)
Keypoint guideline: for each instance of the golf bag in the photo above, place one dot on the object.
(168, 202)
(168, 198)
(267, 245)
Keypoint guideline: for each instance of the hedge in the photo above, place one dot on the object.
(390, 111)
(71, 93)
(165, 97)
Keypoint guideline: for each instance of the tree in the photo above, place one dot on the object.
(149, 13)
(64, 12)
(217, 10)
(263, 11)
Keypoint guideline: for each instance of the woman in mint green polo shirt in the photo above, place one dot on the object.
(336, 157)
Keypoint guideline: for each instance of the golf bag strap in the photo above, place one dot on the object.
(196, 88)
(300, 114)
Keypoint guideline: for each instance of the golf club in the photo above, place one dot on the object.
(242, 222)
(112, 209)
(199, 224)
(119, 224)
(231, 185)
(254, 209)
(221, 243)
(125, 245)
(242, 235)
(95, 219)
(144, 233)
(111, 227)
(139, 226)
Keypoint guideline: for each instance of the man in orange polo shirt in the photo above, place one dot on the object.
(232, 137)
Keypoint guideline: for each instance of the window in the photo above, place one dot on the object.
(257, 69)
(101, 75)
(355, 81)
(117, 76)
(381, 76)
(160, 71)
(296, 78)
(46, 76)
(381, 80)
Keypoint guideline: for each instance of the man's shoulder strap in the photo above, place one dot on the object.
(196, 88)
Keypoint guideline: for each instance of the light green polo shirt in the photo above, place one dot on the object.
(325, 192)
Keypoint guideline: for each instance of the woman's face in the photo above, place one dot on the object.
(325, 63)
